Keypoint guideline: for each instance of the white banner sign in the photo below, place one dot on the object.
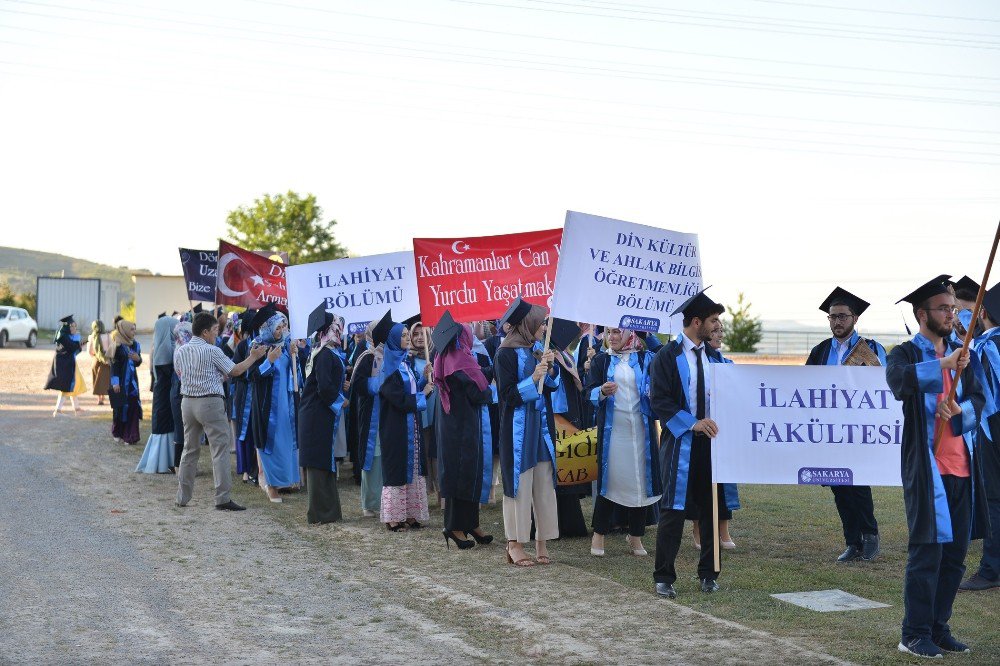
(359, 289)
(809, 425)
(623, 274)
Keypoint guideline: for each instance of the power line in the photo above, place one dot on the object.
(549, 38)
(572, 69)
(869, 10)
(756, 26)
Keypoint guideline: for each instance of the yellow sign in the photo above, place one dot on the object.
(576, 454)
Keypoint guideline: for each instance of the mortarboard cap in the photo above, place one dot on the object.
(381, 331)
(262, 315)
(967, 284)
(319, 319)
(991, 303)
(939, 285)
(447, 329)
(161, 315)
(845, 297)
(564, 333)
(196, 309)
(68, 319)
(415, 319)
(517, 311)
(174, 313)
(700, 306)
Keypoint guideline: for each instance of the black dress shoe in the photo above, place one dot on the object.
(709, 585)
(666, 590)
(977, 582)
(852, 554)
(869, 547)
(230, 506)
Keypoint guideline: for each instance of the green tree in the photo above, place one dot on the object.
(285, 222)
(743, 331)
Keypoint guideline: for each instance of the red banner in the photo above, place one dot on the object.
(245, 278)
(477, 278)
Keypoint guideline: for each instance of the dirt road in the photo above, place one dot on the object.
(98, 564)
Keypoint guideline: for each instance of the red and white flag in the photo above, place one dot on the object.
(247, 279)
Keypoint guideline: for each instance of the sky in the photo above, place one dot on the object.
(808, 144)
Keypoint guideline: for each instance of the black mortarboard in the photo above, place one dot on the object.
(939, 285)
(991, 302)
(969, 285)
(700, 306)
(564, 333)
(319, 319)
(174, 313)
(196, 309)
(68, 319)
(262, 315)
(161, 315)
(381, 331)
(415, 319)
(845, 297)
(517, 311)
(447, 329)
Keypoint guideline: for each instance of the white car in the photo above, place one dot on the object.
(16, 325)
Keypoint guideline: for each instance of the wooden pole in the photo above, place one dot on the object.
(715, 527)
(969, 334)
(545, 348)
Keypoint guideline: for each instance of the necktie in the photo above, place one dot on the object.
(700, 387)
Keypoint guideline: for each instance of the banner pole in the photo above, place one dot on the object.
(969, 334)
(545, 348)
(715, 527)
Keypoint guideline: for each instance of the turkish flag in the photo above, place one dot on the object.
(248, 279)
(476, 278)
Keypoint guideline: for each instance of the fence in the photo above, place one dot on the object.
(801, 342)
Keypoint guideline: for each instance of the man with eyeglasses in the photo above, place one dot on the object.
(854, 503)
(942, 487)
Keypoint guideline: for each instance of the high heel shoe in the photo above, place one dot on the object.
(275, 500)
(462, 545)
(481, 540)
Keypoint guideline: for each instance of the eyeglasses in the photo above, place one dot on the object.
(943, 310)
(840, 317)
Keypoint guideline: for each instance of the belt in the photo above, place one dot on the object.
(210, 395)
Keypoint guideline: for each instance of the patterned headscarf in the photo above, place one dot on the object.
(183, 333)
(630, 342)
(268, 328)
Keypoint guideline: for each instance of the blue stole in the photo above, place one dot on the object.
(530, 419)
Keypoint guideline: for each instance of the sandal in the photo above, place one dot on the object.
(398, 527)
(543, 559)
(524, 562)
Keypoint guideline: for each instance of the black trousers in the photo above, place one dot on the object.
(934, 570)
(671, 525)
(857, 512)
(603, 510)
(461, 515)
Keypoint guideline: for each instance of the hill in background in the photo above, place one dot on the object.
(20, 268)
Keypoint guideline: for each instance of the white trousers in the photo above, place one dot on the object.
(536, 491)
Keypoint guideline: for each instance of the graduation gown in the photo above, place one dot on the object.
(820, 354)
(62, 374)
(988, 351)
(123, 369)
(669, 378)
(524, 416)
(602, 369)
(241, 391)
(265, 387)
(399, 413)
(913, 373)
(362, 418)
(465, 448)
(319, 411)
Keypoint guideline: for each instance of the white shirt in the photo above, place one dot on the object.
(201, 367)
(692, 389)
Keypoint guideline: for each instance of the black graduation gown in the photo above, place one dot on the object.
(990, 449)
(359, 412)
(460, 439)
(63, 370)
(909, 373)
(821, 352)
(508, 376)
(119, 369)
(241, 385)
(398, 427)
(316, 419)
(260, 398)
